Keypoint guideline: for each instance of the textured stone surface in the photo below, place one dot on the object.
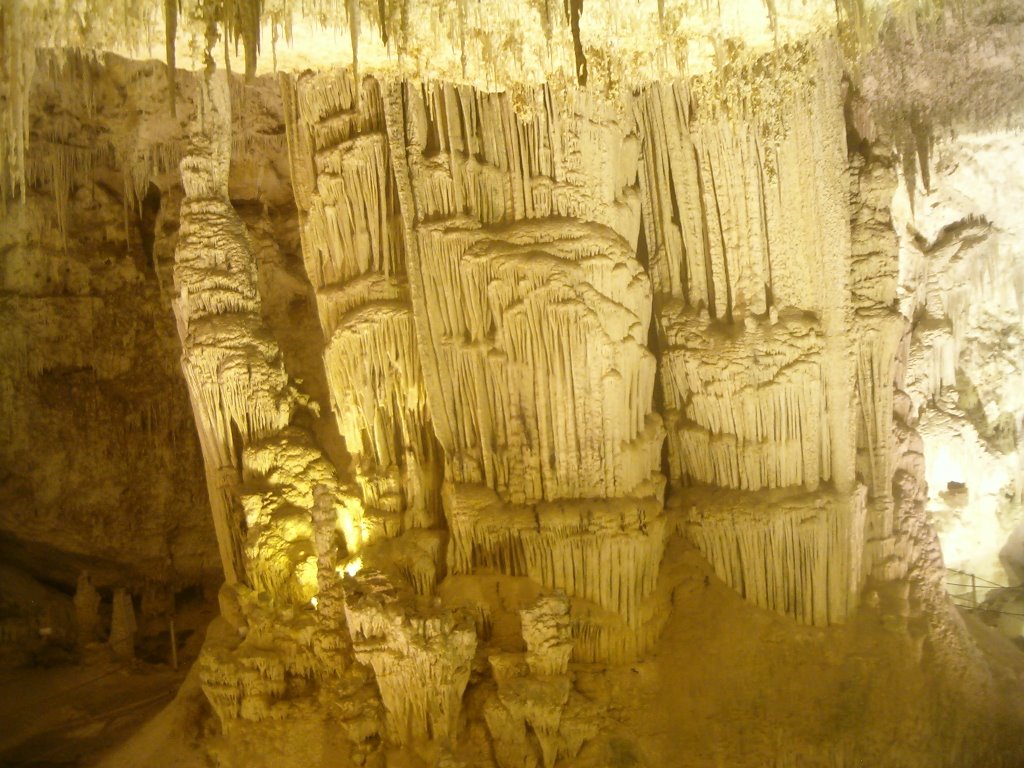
(569, 405)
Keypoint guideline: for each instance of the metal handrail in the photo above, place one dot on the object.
(972, 597)
(979, 578)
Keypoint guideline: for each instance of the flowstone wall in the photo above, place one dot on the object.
(504, 294)
(478, 366)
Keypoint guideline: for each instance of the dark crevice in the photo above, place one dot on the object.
(237, 445)
(769, 293)
(149, 210)
(642, 252)
(653, 339)
(575, 8)
(432, 143)
(923, 143)
(677, 221)
(725, 253)
(707, 240)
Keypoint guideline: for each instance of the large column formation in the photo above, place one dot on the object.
(881, 334)
(235, 375)
(746, 229)
(532, 314)
(262, 471)
(354, 250)
(267, 476)
(258, 467)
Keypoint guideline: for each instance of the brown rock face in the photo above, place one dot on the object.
(545, 392)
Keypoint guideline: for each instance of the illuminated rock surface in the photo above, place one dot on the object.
(574, 385)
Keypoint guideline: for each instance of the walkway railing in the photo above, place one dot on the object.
(969, 591)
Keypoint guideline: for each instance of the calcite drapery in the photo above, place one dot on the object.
(354, 249)
(748, 240)
(790, 552)
(532, 317)
(422, 660)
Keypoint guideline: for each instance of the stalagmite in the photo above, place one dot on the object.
(536, 705)
(421, 659)
(87, 610)
(546, 632)
(287, 483)
(123, 627)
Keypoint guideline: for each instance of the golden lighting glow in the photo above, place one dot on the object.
(350, 522)
(305, 575)
(352, 567)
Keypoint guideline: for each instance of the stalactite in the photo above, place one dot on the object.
(353, 27)
(354, 252)
(880, 337)
(382, 17)
(421, 658)
(170, 32)
(799, 555)
(18, 65)
(605, 552)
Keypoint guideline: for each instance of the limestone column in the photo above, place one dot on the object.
(747, 231)
(531, 313)
(87, 610)
(123, 627)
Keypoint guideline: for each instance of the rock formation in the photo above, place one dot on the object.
(87, 611)
(515, 336)
(123, 627)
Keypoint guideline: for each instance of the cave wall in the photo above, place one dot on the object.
(463, 364)
(101, 469)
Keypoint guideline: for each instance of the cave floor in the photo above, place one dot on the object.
(728, 684)
(743, 687)
(69, 715)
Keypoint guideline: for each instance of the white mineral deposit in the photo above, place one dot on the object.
(512, 383)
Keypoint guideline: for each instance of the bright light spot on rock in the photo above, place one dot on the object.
(944, 467)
